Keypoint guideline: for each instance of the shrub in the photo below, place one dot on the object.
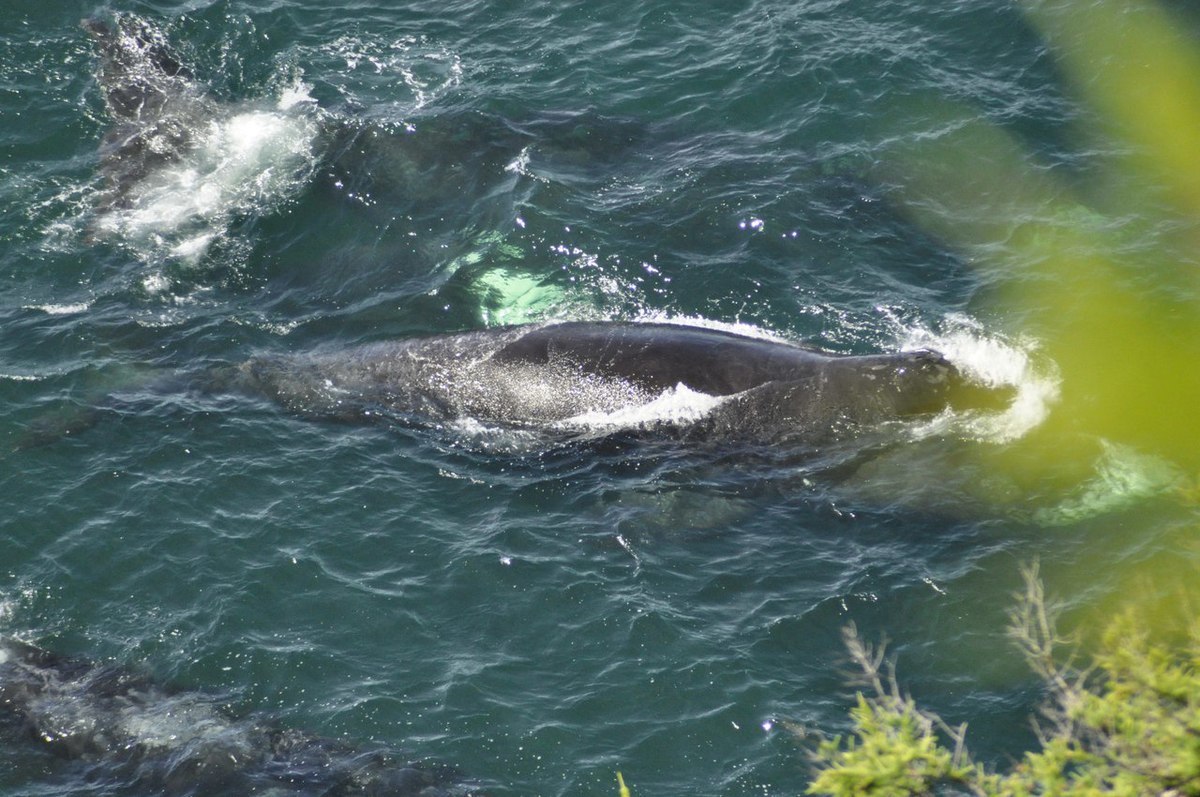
(1127, 724)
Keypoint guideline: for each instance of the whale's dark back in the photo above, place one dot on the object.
(661, 356)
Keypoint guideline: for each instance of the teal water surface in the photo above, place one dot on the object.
(537, 617)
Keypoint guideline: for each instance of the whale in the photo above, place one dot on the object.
(153, 101)
(564, 381)
(576, 378)
(156, 739)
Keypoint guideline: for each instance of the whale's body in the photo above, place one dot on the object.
(172, 742)
(568, 377)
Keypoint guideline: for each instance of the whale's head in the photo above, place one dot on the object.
(908, 383)
(880, 387)
(918, 383)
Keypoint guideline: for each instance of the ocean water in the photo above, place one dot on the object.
(537, 616)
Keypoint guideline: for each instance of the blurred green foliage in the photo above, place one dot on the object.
(1100, 266)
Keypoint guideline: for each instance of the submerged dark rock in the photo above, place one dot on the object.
(166, 741)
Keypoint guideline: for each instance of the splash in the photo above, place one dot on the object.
(180, 167)
(411, 72)
(992, 361)
(247, 161)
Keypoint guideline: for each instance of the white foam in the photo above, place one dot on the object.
(734, 327)
(992, 361)
(678, 406)
(297, 94)
(247, 161)
(60, 309)
(520, 165)
(155, 284)
(192, 248)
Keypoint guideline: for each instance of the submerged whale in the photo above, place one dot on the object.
(172, 742)
(153, 100)
(582, 377)
(181, 164)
